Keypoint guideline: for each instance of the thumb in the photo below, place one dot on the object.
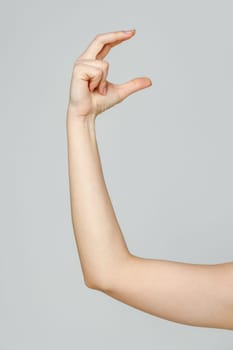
(132, 86)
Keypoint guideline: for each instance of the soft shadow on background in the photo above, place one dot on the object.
(166, 153)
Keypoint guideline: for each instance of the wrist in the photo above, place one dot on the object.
(80, 128)
(83, 121)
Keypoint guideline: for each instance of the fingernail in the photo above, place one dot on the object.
(102, 89)
(129, 31)
(105, 90)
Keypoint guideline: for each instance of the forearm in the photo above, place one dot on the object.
(101, 245)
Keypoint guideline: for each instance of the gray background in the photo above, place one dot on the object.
(166, 153)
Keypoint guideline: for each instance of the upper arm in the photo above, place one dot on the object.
(192, 294)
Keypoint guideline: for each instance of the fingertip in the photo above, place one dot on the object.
(149, 82)
(103, 89)
(129, 31)
(91, 87)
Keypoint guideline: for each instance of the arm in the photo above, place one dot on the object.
(192, 294)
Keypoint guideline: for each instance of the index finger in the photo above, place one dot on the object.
(103, 39)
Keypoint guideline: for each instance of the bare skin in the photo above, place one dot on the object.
(192, 294)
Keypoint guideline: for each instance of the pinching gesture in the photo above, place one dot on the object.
(90, 91)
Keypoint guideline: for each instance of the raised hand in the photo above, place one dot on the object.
(90, 91)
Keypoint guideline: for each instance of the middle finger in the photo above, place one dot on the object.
(106, 49)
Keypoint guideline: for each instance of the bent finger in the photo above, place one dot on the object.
(104, 66)
(88, 75)
(106, 49)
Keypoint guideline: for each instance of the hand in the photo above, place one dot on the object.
(90, 92)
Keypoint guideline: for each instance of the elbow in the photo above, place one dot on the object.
(105, 279)
(100, 282)
(89, 283)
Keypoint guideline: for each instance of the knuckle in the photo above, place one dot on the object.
(78, 60)
(76, 67)
(105, 64)
(98, 37)
(98, 70)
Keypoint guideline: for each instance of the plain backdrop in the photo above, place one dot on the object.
(166, 153)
